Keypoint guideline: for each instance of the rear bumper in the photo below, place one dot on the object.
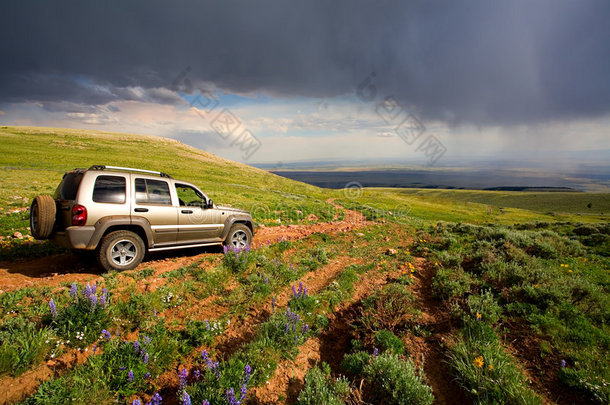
(74, 237)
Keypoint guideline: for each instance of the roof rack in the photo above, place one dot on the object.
(129, 169)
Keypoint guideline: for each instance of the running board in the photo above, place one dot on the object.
(184, 246)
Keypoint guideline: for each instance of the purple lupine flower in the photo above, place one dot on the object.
(205, 402)
(214, 367)
(94, 288)
(225, 249)
(231, 397)
(53, 308)
(94, 348)
(103, 301)
(74, 290)
(207, 325)
(136, 345)
(287, 328)
(294, 291)
(123, 368)
(106, 334)
(197, 374)
(375, 352)
(305, 329)
(247, 373)
(266, 280)
(243, 391)
(272, 304)
(146, 340)
(156, 399)
(297, 318)
(136, 402)
(93, 300)
(204, 356)
(87, 291)
(294, 328)
(186, 399)
(130, 375)
(562, 364)
(296, 339)
(182, 377)
(300, 287)
(305, 292)
(147, 376)
(145, 359)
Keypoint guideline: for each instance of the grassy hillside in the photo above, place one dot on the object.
(32, 161)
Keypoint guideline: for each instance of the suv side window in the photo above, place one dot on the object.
(109, 189)
(68, 187)
(187, 195)
(152, 192)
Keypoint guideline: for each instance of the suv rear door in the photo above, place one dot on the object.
(153, 201)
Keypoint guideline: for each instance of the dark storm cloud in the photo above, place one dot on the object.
(483, 62)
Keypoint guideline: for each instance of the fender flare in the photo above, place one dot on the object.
(102, 225)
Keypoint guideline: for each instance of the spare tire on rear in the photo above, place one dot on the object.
(42, 216)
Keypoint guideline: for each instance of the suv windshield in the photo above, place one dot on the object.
(68, 187)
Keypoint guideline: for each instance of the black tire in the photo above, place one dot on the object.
(120, 250)
(42, 216)
(239, 236)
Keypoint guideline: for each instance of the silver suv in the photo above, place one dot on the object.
(121, 213)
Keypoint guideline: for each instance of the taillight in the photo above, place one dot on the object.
(79, 215)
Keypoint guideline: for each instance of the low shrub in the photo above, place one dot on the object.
(386, 340)
(320, 388)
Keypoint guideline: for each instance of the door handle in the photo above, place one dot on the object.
(186, 211)
(141, 209)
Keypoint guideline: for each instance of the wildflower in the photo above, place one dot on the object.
(247, 373)
(231, 397)
(156, 399)
(53, 308)
(204, 355)
(130, 375)
(479, 316)
(272, 304)
(478, 362)
(243, 391)
(136, 345)
(287, 327)
(87, 291)
(294, 291)
(106, 334)
(94, 288)
(93, 299)
(147, 376)
(182, 377)
(186, 399)
(490, 367)
(146, 340)
(103, 300)
(136, 402)
(197, 374)
(74, 290)
(205, 402)
(145, 359)
(305, 329)
(375, 352)
(563, 364)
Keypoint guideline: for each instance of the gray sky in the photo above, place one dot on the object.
(485, 78)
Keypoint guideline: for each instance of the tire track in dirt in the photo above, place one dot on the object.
(54, 270)
(429, 351)
(330, 346)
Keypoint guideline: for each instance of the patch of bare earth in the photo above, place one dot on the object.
(429, 351)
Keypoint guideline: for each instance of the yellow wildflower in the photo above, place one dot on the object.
(478, 362)
(490, 367)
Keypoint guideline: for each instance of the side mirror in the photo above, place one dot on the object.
(210, 204)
